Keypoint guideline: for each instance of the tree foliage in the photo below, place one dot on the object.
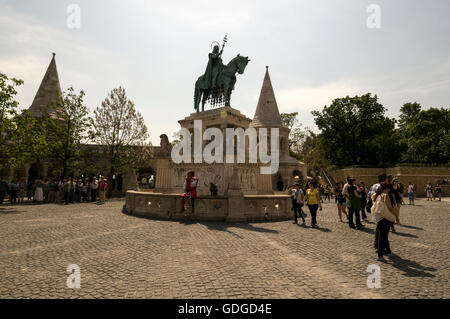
(122, 132)
(428, 137)
(66, 126)
(22, 137)
(8, 110)
(407, 113)
(355, 131)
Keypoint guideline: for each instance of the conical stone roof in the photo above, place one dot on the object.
(49, 91)
(267, 113)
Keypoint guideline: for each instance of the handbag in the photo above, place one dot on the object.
(380, 210)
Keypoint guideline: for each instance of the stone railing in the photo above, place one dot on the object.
(209, 208)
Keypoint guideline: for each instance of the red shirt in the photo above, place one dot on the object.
(103, 186)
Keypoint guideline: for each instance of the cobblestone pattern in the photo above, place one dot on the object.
(123, 256)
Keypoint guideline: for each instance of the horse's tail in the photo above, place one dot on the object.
(196, 97)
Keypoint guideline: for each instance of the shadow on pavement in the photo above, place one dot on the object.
(323, 229)
(411, 227)
(368, 230)
(224, 226)
(8, 210)
(404, 234)
(411, 268)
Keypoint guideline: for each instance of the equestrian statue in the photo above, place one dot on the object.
(216, 85)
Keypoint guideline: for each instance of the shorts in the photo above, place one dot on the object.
(411, 196)
(342, 204)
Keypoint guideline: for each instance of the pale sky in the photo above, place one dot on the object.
(317, 50)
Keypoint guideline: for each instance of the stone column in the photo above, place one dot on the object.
(163, 174)
(236, 203)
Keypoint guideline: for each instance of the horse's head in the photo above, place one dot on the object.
(241, 63)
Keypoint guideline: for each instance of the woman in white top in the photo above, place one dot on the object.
(39, 193)
(383, 225)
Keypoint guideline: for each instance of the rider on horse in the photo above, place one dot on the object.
(213, 68)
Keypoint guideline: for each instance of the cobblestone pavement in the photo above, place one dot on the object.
(122, 256)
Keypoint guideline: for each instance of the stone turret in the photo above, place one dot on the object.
(48, 93)
(267, 115)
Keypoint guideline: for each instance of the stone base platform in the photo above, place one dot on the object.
(247, 208)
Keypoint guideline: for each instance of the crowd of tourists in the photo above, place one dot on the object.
(45, 190)
(354, 201)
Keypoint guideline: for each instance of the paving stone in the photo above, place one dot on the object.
(122, 256)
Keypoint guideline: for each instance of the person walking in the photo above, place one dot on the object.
(3, 190)
(383, 224)
(84, 189)
(327, 193)
(22, 191)
(439, 192)
(14, 189)
(411, 193)
(39, 192)
(72, 187)
(362, 190)
(293, 192)
(353, 204)
(52, 191)
(395, 187)
(30, 187)
(297, 202)
(61, 197)
(299, 197)
(94, 188)
(402, 192)
(341, 201)
(66, 191)
(313, 200)
(429, 191)
(46, 188)
(103, 186)
(80, 190)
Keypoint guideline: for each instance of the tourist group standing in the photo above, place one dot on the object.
(67, 191)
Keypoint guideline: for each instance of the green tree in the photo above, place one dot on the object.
(67, 125)
(304, 144)
(297, 134)
(122, 132)
(428, 137)
(355, 131)
(8, 111)
(21, 136)
(28, 139)
(407, 113)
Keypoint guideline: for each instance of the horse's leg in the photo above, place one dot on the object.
(226, 93)
(204, 98)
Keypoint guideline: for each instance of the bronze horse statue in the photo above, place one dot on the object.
(224, 85)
